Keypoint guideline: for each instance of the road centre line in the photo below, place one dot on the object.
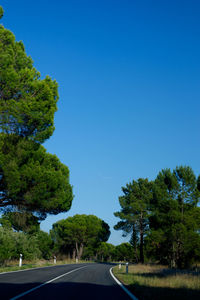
(45, 283)
(122, 286)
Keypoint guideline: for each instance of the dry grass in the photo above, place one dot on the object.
(159, 282)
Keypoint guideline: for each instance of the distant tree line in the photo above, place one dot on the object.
(163, 217)
(77, 237)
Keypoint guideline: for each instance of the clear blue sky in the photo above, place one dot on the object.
(129, 86)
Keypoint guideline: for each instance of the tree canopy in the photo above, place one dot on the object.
(1, 12)
(134, 211)
(74, 233)
(123, 252)
(27, 102)
(163, 217)
(175, 217)
(32, 179)
(20, 221)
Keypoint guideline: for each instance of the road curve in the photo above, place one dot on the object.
(77, 281)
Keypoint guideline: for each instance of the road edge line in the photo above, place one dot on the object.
(35, 268)
(45, 283)
(28, 269)
(122, 286)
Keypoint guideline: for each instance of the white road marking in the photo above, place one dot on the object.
(47, 282)
(30, 269)
(122, 286)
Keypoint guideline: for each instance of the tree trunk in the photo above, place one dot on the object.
(173, 260)
(136, 255)
(79, 250)
(134, 242)
(74, 254)
(141, 239)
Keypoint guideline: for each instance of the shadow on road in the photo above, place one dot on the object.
(80, 290)
(63, 290)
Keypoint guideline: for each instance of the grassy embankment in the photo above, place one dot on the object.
(148, 282)
(14, 265)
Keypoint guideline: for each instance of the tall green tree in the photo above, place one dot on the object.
(27, 102)
(32, 179)
(74, 233)
(175, 217)
(134, 212)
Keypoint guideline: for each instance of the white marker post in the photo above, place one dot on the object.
(126, 268)
(20, 260)
(76, 260)
(54, 259)
(120, 265)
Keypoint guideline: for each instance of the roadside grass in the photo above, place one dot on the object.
(14, 265)
(155, 282)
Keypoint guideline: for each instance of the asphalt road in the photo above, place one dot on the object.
(78, 281)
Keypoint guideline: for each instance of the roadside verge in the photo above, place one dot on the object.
(122, 286)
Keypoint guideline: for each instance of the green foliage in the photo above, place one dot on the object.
(20, 221)
(175, 218)
(44, 243)
(124, 252)
(7, 244)
(74, 233)
(164, 216)
(134, 211)
(31, 179)
(198, 183)
(27, 245)
(27, 102)
(105, 252)
(1, 12)
(33, 182)
(31, 246)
